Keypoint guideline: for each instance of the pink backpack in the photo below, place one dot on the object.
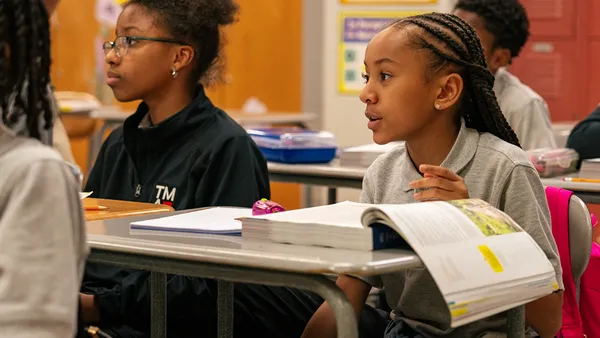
(578, 318)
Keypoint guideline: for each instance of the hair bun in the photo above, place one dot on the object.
(224, 11)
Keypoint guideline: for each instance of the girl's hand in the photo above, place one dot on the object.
(439, 184)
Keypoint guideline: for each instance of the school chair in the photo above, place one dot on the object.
(580, 238)
(572, 230)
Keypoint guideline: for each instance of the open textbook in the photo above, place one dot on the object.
(481, 260)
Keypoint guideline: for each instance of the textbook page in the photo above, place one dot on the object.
(468, 245)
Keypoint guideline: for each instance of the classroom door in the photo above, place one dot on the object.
(557, 62)
(594, 56)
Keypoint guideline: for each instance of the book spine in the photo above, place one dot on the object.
(385, 237)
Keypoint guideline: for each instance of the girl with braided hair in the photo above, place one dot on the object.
(427, 83)
(42, 235)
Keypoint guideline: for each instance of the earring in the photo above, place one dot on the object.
(174, 73)
(437, 106)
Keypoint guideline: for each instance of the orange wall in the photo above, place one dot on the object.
(263, 59)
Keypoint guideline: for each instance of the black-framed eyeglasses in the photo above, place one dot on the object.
(122, 43)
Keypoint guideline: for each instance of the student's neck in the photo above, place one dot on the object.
(433, 145)
(168, 103)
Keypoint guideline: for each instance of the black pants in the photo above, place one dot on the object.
(259, 311)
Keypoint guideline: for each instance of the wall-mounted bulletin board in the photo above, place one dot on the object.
(356, 29)
(387, 2)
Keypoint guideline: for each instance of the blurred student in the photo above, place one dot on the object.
(42, 234)
(585, 137)
(503, 28)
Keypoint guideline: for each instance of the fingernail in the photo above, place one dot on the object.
(411, 184)
(417, 195)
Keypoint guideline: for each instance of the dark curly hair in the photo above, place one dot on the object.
(454, 43)
(25, 65)
(505, 19)
(196, 22)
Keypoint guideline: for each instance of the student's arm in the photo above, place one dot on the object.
(524, 200)
(532, 126)
(322, 324)
(585, 137)
(236, 175)
(94, 180)
(42, 251)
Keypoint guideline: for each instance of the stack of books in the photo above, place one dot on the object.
(365, 155)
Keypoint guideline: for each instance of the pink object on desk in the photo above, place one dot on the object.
(265, 206)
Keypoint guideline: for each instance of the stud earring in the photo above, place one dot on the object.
(174, 73)
(437, 106)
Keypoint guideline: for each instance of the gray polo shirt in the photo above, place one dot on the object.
(494, 171)
(526, 112)
(42, 240)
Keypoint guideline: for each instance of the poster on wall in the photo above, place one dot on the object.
(387, 2)
(107, 11)
(356, 30)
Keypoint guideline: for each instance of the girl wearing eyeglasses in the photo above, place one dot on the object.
(181, 150)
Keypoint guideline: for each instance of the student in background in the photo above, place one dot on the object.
(585, 137)
(42, 234)
(181, 150)
(427, 84)
(503, 28)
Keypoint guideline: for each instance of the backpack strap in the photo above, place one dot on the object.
(558, 201)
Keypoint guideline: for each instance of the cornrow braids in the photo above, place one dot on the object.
(25, 62)
(505, 19)
(452, 41)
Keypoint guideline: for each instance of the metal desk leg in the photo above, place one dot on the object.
(307, 196)
(345, 318)
(331, 195)
(516, 322)
(225, 309)
(158, 308)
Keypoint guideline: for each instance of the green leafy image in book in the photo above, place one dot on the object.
(489, 220)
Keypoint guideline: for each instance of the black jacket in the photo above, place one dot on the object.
(199, 157)
(585, 137)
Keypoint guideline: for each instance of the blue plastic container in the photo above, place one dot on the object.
(295, 145)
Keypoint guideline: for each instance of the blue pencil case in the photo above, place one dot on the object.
(295, 145)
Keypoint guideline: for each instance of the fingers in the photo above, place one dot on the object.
(439, 171)
(433, 182)
(435, 194)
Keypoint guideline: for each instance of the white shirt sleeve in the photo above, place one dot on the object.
(532, 125)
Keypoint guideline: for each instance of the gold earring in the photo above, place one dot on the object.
(174, 73)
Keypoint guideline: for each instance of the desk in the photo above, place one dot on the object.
(235, 259)
(118, 209)
(588, 192)
(331, 175)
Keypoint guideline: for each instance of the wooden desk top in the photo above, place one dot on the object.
(118, 209)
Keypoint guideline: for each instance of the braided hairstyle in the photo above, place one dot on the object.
(505, 19)
(454, 43)
(25, 63)
(198, 23)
